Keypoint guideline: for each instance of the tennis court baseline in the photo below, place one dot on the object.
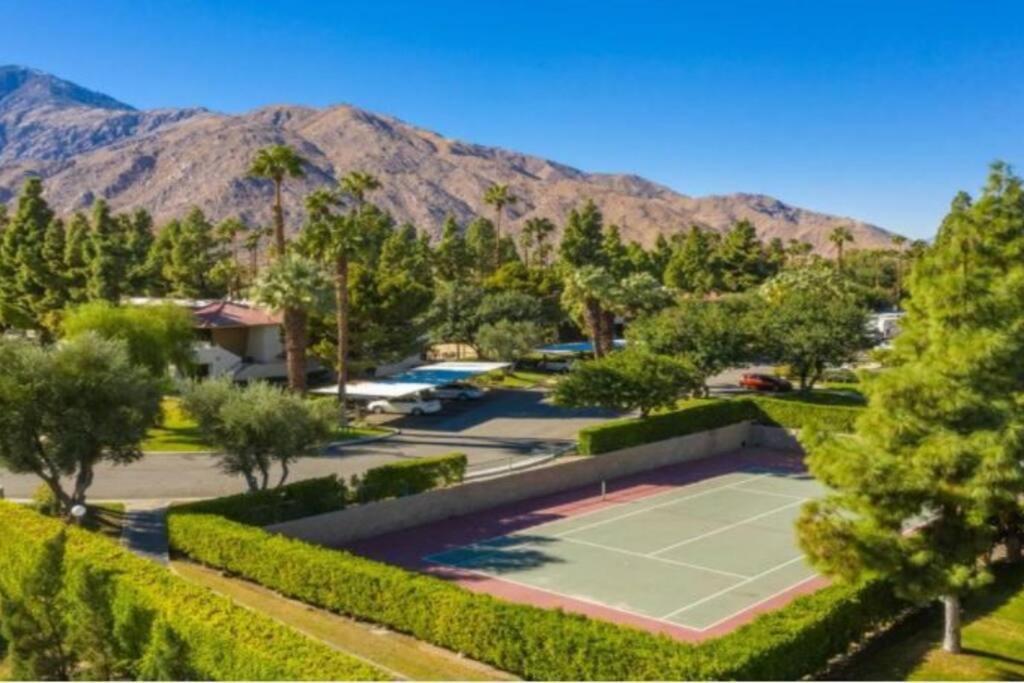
(693, 556)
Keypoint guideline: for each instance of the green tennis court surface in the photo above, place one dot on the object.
(693, 556)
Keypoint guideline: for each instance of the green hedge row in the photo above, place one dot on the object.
(327, 494)
(410, 476)
(293, 501)
(528, 641)
(793, 414)
(223, 641)
(623, 433)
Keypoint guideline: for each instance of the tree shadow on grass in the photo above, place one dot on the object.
(898, 653)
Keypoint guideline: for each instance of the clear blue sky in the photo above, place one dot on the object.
(878, 110)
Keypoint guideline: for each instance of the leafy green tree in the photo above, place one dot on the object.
(616, 255)
(77, 258)
(534, 241)
(32, 618)
(452, 258)
(629, 380)
(499, 196)
(453, 316)
(636, 295)
(107, 256)
(508, 340)
(137, 234)
(66, 408)
(936, 456)
(155, 336)
(511, 306)
(482, 243)
(741, 258)
(25, 279)
(710, 336)
(809, 320)
(276, 163)
(297, 286)
(256, 426)
(693, 267)
(583, 239)
(186, 254)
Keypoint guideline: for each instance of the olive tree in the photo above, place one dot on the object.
(628, 380)
(256, 426)
(66, 408)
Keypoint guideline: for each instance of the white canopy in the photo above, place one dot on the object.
(372, 390)
(474, 367)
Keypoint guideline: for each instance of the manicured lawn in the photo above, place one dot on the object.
(844, 395)
(993, 640)
(179, 432)
(518, 379)
(405, 657)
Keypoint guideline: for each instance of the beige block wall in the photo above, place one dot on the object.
(372, 519)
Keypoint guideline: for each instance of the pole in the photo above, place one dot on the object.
(604, 489)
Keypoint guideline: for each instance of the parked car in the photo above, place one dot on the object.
(556, 365)
(758, 382)
(459, 391)
(411, 405)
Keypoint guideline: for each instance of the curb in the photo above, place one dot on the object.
(392, 431)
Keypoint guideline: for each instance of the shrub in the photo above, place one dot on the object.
(221, 641)
(619, 434)
(409, 476)
(272, 506)
(797, 415)
(529, 641)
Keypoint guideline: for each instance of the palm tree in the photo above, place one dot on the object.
(499, 197)
(276, 163)
(334, 237)
(535, 233)
(839, 236)
(294, 285)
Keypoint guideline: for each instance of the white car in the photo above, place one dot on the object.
(460, 391)
(557, 365)
(405, 406)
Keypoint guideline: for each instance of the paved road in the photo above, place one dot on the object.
(503, 427)
(145, 530)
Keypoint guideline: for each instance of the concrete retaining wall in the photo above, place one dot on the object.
(775, 438)
(372, 519)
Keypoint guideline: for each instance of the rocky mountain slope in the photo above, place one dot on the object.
(88, 145)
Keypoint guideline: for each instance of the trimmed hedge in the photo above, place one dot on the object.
(224, 641)
(410, 476)
(531, 642)
(777, 412)
(627, 432)
(293, 501)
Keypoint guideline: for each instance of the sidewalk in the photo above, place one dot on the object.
(145, 529)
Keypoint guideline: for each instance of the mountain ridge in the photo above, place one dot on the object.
(87, 145)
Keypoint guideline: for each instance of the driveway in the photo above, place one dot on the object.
(495, 431)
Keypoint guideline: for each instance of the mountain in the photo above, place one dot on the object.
(88, 145)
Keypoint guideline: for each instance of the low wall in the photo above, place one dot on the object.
(775, 438)
(372, 519)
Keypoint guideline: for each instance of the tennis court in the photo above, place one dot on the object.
(694, 556)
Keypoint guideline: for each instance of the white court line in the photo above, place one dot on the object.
(730, 588)
(767, 493)
(532, 529)
(577, 598)
(648, 509)
(754, 605)
(656, 559)
(719, 530)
